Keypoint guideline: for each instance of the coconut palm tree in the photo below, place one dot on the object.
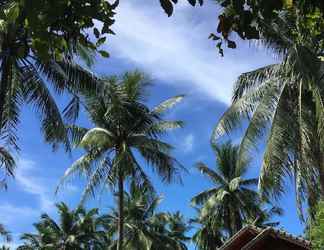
(7, 165)
(28, 79)
(232, 199)
(176, 228)
(208, 235)
(126, 131)
(77, 230)
(145, 228)
(265, 218)
(284, 103)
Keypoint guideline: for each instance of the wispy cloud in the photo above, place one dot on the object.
(28, 180)
(176, 50)
(12, 214)
(188, 143)
(37, 191)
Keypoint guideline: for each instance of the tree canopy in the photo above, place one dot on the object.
(53, 28)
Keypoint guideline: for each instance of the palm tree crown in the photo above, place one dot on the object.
(126, 129)
(77, 230)
(145, 228)
(284, 101)
(233, 198)
(28, 79)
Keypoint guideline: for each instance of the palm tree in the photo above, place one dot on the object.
(126, 129)
(232, 200)
(5, 233)
(145, 228)
(209, 235)
(264, 218)
(284, 102)
(8, 165)
(77, 230)
(177, 227)
(28, 79)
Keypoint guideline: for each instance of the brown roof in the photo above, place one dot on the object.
(250, 237)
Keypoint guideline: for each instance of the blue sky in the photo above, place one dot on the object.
(177, 55)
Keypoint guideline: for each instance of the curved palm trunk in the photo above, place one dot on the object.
(121, 211)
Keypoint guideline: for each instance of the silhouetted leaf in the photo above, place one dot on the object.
(213, 37)
(167, 6)
(101, 41)
(104, 53)
(231, 44)
(96, 33)
(219, 47)
(115, 4)
(192, 2)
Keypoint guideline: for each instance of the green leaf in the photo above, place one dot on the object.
(12, 12)
(104, 53)
(101, 41)
(168, 104)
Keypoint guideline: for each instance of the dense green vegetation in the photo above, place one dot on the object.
(41, 42)
(317, 228)
(124, 125)
(288, 96)
(77, 229)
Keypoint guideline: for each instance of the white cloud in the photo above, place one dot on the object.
(28, 180)
(12, 214)
(188, 143)
(176, 49)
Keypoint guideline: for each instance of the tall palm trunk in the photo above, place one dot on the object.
(238, 221)
(121, 211)
(228, 223)
(5, 71)
(321, 174)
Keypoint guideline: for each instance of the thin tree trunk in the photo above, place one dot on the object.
(321, 165)
(228, 223)
(121, 212)
(5, 68)
(238, 221)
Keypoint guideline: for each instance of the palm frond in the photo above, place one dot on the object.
(168, 104)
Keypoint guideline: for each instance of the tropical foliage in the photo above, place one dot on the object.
(282, 105)
(76, 230)
(208, 234)
(284, 101)
(317, 229)
(145, 227)
(34, 71)
(28, 79)
(5, 233)
(249, 19)
(7, 165)
(232, 199)
(125, 125)
(50, 29)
